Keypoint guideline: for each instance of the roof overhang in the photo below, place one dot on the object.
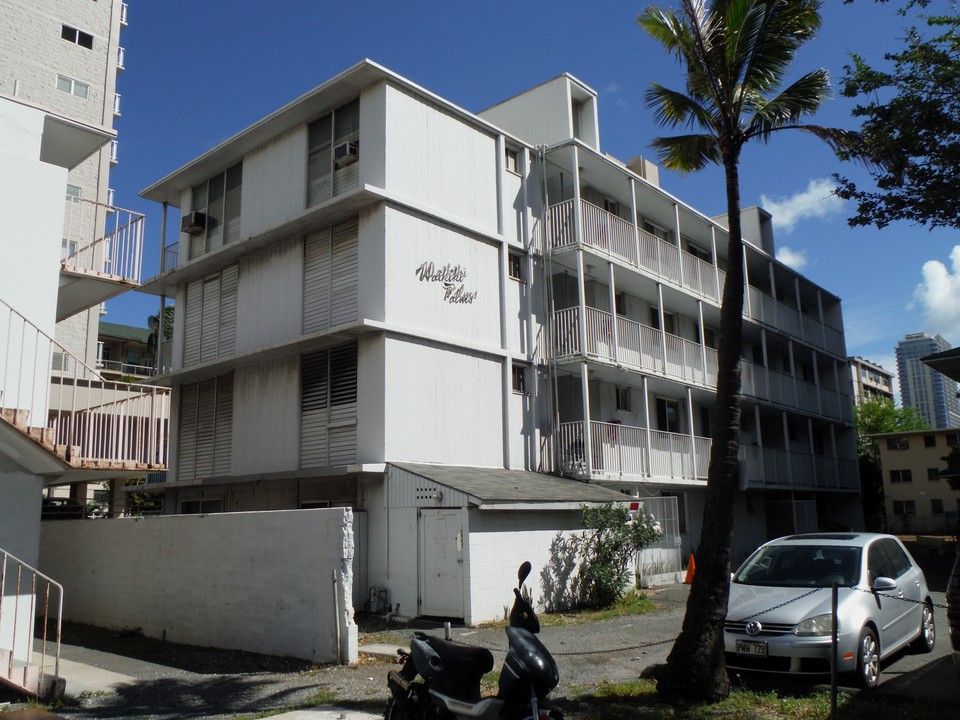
(946, 362)
(500, 489)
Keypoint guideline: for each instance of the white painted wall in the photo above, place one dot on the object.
(226, 580)
(20, 515)
(274, 182)
(31, 217)
(266, 417)
(270, 295)
(440, 160)
(371, 398)
(498, 543)
(462, 392)
(539, 115)
(413, 241)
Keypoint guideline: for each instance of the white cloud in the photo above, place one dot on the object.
(817, 201)
(939, 296)
(797, 259)
(612, 87)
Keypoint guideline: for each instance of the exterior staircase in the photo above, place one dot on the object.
(70, 410)
(31, 604)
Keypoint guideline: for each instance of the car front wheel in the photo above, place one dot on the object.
(868, 660)
(928, 632)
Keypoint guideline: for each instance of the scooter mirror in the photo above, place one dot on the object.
(525, 569)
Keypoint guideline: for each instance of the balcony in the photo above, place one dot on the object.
(621, 240)
(764, 308)
(623, 452)
(636, 454)
(124, 12)
(645, 349)
(66, 419)
(116, 105)
(120, 59)
(103, 251)
(117, 367)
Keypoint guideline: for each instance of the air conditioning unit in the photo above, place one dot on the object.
(346, 153)
(193, 223)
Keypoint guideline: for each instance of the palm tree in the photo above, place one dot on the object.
(735, 53)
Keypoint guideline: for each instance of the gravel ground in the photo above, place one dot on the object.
(176, 681)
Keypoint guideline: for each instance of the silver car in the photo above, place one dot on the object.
(778, 616)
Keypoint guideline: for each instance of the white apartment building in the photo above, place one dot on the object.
(65, 251)
(464, 326)
(869, 380)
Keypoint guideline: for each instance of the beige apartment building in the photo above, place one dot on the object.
(917, 498)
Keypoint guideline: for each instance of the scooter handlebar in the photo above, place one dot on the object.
(522, 615)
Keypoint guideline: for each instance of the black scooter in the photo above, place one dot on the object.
(450, 673)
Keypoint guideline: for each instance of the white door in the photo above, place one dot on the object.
(441, 562)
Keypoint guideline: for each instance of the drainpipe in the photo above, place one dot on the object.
(693, 436)
(646, 422)
(163, 298)
(663, 330)
(634, 219)
(613, 313)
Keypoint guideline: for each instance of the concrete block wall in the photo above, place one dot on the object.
(499, 542)
(259, 581)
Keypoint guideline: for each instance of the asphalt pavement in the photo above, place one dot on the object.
(612, 650)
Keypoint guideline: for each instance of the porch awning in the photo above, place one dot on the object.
(499, 489)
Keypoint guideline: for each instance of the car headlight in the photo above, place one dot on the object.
(818, 625)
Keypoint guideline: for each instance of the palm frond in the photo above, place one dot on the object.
(803, 97)
(672, 108)
(784, 28)
(687, 153)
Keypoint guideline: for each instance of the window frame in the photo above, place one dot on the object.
(511, 160)
(73, 86)
(622, 397)
(901, 476)
(76, 36)
(518, 378)
(515, 266)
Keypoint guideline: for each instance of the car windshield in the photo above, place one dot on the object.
(801, 566)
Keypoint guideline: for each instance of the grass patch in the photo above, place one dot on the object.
(638, 698)
(633, 603)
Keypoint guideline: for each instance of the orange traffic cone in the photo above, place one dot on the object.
(691, 569)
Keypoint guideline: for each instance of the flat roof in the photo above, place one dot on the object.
(497, 486)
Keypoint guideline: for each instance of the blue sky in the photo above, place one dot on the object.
(198, 72)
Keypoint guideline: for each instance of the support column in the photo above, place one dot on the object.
(587, 434)
(693, 435)
(613, 312)
(646, 417)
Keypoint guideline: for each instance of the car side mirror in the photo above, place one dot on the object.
(884, 584)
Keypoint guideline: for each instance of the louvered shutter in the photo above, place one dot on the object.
(199, 204)
(187, 441)
(346, 122)
(231, 208)
(319, 161)
(314, 406)
(206, 417)
(193, 320)
(210, 320)
(343, 274)
(316, 282)
(343, 405)
(223, 426)
(227, 332)
(215, 212)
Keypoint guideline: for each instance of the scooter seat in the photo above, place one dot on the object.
(463, 667)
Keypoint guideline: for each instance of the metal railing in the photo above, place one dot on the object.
(171, 254)
(26, 592)
(71, 409)
(103, 239)
(118, 366)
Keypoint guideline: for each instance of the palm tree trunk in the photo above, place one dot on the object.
(695, 669)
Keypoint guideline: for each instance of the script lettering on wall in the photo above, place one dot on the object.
(451, 278)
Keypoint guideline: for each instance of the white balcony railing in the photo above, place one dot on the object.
(103, 239)
(72, 410)
(121, 53)
(116, 104)
(124, 12)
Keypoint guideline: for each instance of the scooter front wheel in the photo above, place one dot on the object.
(396, 711)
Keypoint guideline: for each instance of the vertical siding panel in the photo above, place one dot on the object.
(316, 282)
(186, 455)
(314, 405)
(206, 415)
(344, 269)
(192, 322)
(227, 340)
(223, 426)
(210, 319)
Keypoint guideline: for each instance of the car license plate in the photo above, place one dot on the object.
(751, 648)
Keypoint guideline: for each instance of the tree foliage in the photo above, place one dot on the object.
(155, 339)
(736, 55)
(874, 416)
(952, 459)
(608, 547)
(878, 415)
(910, 114)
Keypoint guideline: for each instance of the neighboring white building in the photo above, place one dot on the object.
(869, 380)
(65, 251)
(387, 302)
